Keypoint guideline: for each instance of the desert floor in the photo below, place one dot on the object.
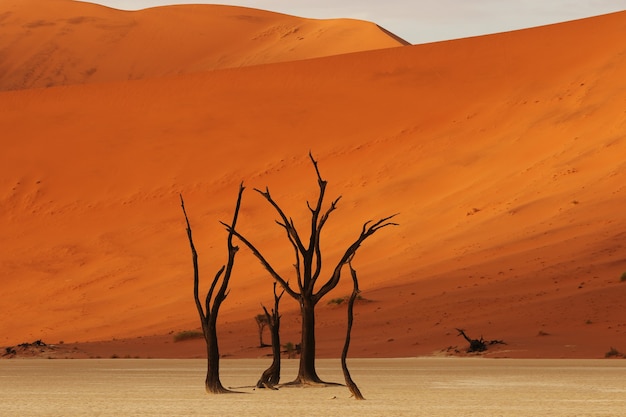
(398, 387)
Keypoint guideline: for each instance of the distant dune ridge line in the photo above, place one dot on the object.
(61, 42)
(502, 153)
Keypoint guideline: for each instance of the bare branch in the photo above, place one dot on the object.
(196, 273)
(378, 225)
(317, 171)
(366, 232)
(209, 294)
(314, 241)
(263, 261)
(283, 216)
(296, 250)
(232, 251)
(318, 232)
(324, 218)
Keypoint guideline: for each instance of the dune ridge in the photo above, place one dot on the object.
(47, 43)
(503, 155)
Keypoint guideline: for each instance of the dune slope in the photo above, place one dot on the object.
(503, 155)
(60, 42)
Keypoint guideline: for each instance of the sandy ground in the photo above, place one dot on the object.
(397, 387)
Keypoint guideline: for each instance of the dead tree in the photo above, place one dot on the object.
(308, 268)
(346, 374)
(475, 345)
(271, 376)
(213, 300)
(261, 322)
(478, 345)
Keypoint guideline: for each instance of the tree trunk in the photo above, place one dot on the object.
(213, 384)
(306, 372)
(271, 376)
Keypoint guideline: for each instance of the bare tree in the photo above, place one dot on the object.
(308, 268)
(478, 345)
(213, 301)
(354, 389)
(271, 376)
(261, 322)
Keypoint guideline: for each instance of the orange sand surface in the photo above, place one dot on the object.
(47, 43)
(503, 154)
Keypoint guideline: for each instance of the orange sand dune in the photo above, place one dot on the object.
(60, 42)
(504, 155)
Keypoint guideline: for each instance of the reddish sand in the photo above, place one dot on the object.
(504, 155)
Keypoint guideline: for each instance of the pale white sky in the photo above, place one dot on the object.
(422, 21)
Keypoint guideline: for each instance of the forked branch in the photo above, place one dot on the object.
(196, 269)
(286, 222)
(263, 261)
(368, 230)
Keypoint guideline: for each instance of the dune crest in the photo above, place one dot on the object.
(503, 155)
(47, 43)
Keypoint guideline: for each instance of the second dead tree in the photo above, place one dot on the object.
(271, 376)
(346, 374)
(213, 300)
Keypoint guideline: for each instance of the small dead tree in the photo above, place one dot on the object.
(354, 389)
(308, 268)
(478, 345)
(271, 376)
(475, 345)
(213, 300)
(261, 322)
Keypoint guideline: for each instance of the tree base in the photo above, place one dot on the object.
(303, 383)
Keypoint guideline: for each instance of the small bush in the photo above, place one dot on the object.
(188, 335)
(623, 277)
(340, 300)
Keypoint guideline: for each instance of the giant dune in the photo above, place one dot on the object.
(62, 42)
(502, 154)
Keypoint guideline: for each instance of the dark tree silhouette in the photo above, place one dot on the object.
(261, 322)
(308, 268)
(475, 345)
(354, 389)
(213, 300)
(271, 376)
(478, 345)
